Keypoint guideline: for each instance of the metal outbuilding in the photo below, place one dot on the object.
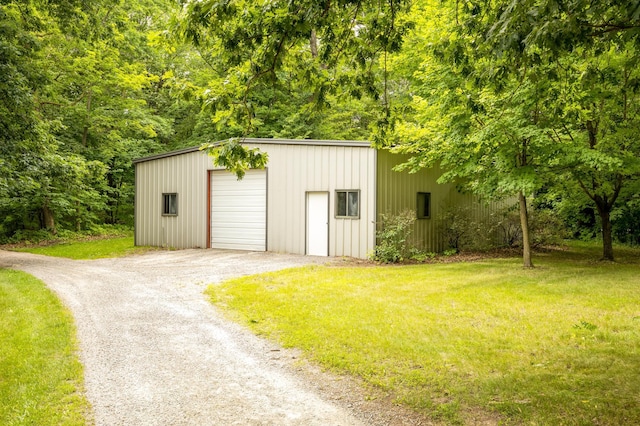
(316, 197)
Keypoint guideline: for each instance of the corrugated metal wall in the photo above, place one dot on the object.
(185, 175)
(297, 169)
(293, 170)
(398, 191)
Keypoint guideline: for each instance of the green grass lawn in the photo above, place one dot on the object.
(559, 344)
(41, 379)
(91, 249)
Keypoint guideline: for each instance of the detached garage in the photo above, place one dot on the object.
(316, 197)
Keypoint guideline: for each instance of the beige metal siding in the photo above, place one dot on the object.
(398, 191)
(295, 170)
(185, 175)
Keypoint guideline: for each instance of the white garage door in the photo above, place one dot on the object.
(239, 210)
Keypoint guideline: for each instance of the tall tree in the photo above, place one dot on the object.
(324, 47)
(589, 53)
(481, 125)
(497, 88)
(77, 93)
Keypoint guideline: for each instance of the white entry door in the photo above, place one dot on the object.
(318, 223)
(239, 210)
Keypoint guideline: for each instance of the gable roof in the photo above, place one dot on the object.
(309, 142)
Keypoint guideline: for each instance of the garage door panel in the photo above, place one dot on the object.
(239, 207)
(239, 210)
(229, 229)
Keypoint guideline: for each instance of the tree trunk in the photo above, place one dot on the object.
(313, 44)
(85, 131)
(607, 240)
(524, 224)
(49, 220)
(78, 219)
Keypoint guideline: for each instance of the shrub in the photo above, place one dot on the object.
(461, 232)
(625, 222)
(545, 227)
(393, 237)
(454, 224)
(508, 226)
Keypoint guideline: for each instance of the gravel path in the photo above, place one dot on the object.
(157, 353)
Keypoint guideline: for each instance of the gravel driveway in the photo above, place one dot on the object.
(157, 353)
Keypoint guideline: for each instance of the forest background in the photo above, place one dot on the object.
(538, 100)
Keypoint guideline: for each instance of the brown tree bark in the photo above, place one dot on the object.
(524, 224)
(85, 130)
(313, 44)
(607, 239)
(48, 218)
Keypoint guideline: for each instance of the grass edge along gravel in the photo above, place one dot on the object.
(41, 377)
(559, 344)
(89, 249)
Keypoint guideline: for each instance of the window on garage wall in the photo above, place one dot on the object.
(348, 204)
(424, 205)
(170, 204)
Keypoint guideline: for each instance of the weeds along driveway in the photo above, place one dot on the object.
(157, 353)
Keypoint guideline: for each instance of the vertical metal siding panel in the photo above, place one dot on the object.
(278, 199)
(170, 186)
(154, 204)
(356, 183)
(198, 197)
(397, 191)
(289, 212)
(371, 225)
(153, 209)
(359, 183)
(275, 202)
(182, 224)
(199, 229)
(140, 203)
(143, 186)
(152, 214)
(316, 158)
(367, 195)
(149, 215)
(273, 219)
(185, 175)
(338, 183)
(191, 181)
(299, 185)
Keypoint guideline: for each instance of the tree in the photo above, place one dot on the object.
(76, 94)
(497, 90)
(320, 47)
(481, 125)
(590, 55)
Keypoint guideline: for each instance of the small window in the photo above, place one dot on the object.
(424, 205)
(170, 204)
(348, 204)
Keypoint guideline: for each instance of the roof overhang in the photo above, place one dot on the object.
(262, 141)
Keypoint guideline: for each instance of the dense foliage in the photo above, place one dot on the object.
(535, 100)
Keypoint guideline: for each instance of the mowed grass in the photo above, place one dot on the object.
(91, 249)
(41, 379)
(467, 343)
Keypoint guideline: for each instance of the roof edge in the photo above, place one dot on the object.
(265, 141)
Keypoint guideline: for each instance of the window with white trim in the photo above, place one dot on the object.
(170, 204)
(348, 204)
